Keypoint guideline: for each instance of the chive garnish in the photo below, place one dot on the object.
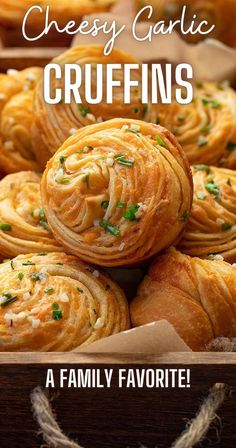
(109, 227)
(120, 158)
(80, 290)
(45, 225)
(57, 314)
(84, 111)
(12, 265)
(202, 141)
(214, 104)
(20, 276)
(37, 276)
(5, 227)
(229, 182)
(212, 188)
(181, 118)
(130, 213)
(49, 290)
(202, 168)
(55, 306)
(28, 263)
(9, 299)
(226, 226)
(160, 141)
(64, 181)
(105, 204)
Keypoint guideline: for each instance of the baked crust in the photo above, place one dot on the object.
(23, 226)
(198, 297)
(205, 128)
(58, 304)
(212, 225)
(117, 193)
(55, 123)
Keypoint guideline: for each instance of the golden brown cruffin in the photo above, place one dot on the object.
(212, 225)
(220, 13)
(12, 12)
(198, 297)
(57, 303)
(55, 123)
(205, 128)
(118, 192)
(15, 81)
(23, 225)
(16, 153)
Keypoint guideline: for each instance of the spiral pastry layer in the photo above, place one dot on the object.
(23, 225)
(16, 153)
(212, 226)
(220, 13)
(118, 192)
(198, 297)
(55, 123)
(57, 303)
(206, 128)
(13, 11)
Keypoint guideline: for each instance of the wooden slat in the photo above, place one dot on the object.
(20, 58)
(83, 358)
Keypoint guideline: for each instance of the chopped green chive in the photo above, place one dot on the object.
(158, 120)
(109, 227)
(9, 299)
(62, 160)
(212, 188)
(37, 276)
(44, 225)
(80, 290)
(229, 182)
(42, 254)
(105, 204)
(20, 276)
(199, 85)
(226, 226)
(95, 312)
(130, 213)
(120, 158)
(28, 263)
(57, 314)
(84, 111)
(136, 110)
(202, 141)
(55, 306)
(63, 180)
(5, 227)
(214, 104)
(12, 265)
(160, 141)
(202, 168)
(49, 290)
(181, 118)
(133, 131)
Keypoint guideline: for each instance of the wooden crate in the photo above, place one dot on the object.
(115, 418)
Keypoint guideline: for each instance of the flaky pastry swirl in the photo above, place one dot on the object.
(23, 224)
(16, 153)
(198, 297)
(206, 128)
(212, 226)
(55, 123)
(57, 303)
(118, 192)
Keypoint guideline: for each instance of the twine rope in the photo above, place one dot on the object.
(194, 433)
